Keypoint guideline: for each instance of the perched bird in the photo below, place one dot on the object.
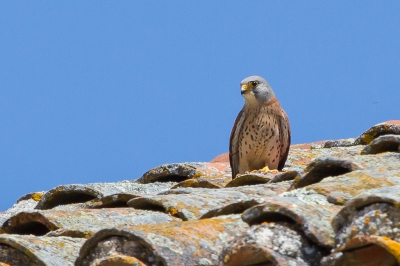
(260, 136)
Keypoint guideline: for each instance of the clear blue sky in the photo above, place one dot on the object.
(102, 91)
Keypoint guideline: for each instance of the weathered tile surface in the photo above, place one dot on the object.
(337, 203)
(79, 193)
(39, 250)
(79, 222)
(280, 243)
(313, 219)
(176, 243)
(192, 204)
(178, 172)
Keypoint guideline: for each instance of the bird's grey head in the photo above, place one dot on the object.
(256, 90)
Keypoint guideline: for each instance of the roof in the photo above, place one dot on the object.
(336, 203)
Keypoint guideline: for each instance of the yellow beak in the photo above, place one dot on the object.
(244, 89)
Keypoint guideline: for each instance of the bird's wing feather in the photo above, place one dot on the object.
(285, 138)
(233, 144)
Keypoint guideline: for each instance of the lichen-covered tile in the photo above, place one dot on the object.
(298, 158)
(117, 259)
(79, 193)
(324, 167)
(339, 189)
(280, 243)
(3, 217)
(179, 172)
(205, 182)
(373, 212)
(379, 162)
(385, 128)
(262, 178)
(365, 250)
(78, 222)
(111, 201)
(385, 143)
(192, 203)
(251, 179)
(36, 196)
(39, 251)
(308, 146)
(340, 143)
(25, 203)
(176, 243)
(313, 219)
(188, 206)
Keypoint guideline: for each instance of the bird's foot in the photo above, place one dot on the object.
(266, 170)
(262, 170)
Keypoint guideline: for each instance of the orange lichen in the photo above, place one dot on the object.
(226, 259)
(393, 247)
(172, 211)
(197, 174)
(353, 229)
(37, 196)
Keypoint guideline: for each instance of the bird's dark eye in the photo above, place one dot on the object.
(253, 83)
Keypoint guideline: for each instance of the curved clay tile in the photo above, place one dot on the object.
(179, 172)
(325, 167)
(373, 212)
(36, 196)
(385, 128)
(308, 146)
(285, 176)
(381, 144)
(222, 158)
(111, 201)
(205, 182)
(339, 143)
(251, 179)
(365, 250)
(382, 162)
(313, 219)
(340, 189)
(39, 251)
(117, 259)
(79, 193)
(254, 195)
(298, 158)
(262, 178)
(175, 243)
(78, 223)
(188, 206)
(271, 244)
(192, 203)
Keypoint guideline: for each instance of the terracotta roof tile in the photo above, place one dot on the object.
(76, 193)
(260, 244)
(313, 219)
(337, 202)
(78, 223)
(383, 144)
(385, 128)
(178, 172)
(176, 243)
(192, 204)
(39, 250)
(262, 178)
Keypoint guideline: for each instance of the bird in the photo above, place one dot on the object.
(260, 137)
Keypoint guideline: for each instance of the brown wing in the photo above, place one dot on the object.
(234, 145)
(284, 128)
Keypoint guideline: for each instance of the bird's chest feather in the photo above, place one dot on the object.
(259, 130)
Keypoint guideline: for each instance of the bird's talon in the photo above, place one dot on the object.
(267, 170)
